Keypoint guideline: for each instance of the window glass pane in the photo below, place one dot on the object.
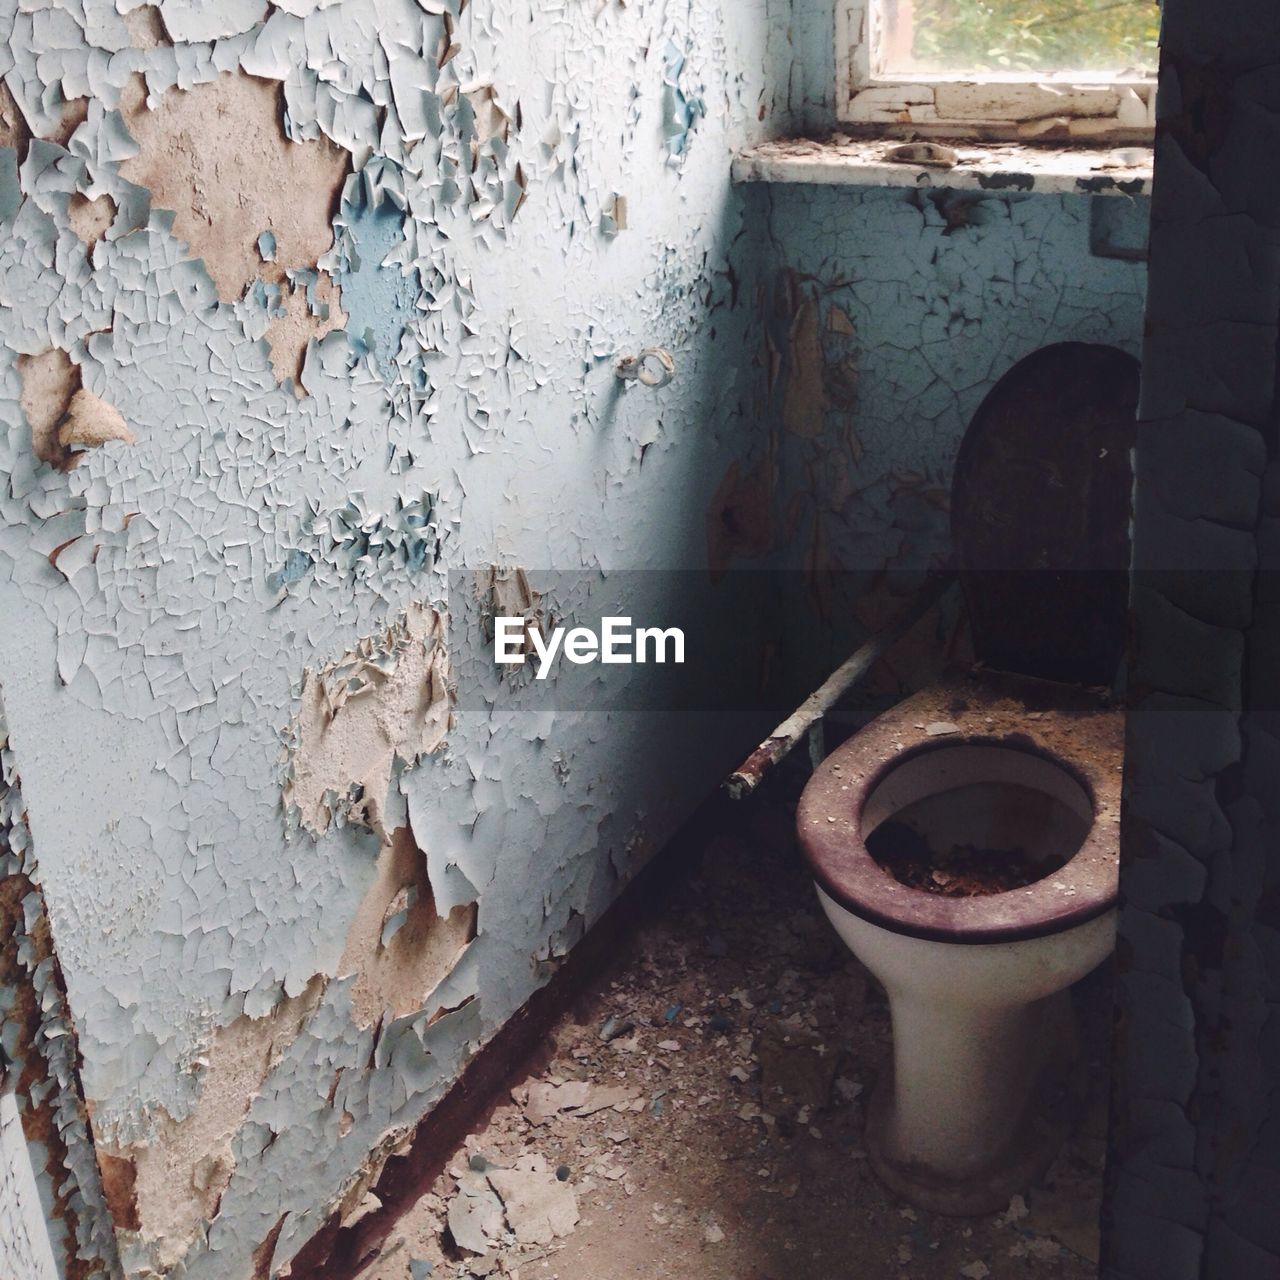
(955, 37)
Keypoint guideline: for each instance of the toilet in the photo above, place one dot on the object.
(965, 844)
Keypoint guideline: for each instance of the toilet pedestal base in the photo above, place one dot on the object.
(980, 1096)
(986, 1103)
(1025, 1163)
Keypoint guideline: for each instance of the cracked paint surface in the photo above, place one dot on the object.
(324, 299)
(353, 277)
(25, 1248)
(44, 1111)
(383, 705)
(891, 315)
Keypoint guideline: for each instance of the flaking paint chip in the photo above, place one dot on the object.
(539, 1207)
(91, 422)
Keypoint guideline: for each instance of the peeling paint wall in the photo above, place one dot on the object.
(309, 304)
(25, 1247)
(50, 1168)
(320, 306)
(891, 315)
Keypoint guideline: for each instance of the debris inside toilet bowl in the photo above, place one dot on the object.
(962, 871)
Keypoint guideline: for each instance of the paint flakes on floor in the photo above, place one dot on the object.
(699, 1117)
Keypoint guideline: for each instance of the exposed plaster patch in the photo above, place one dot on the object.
(13, 126)
(398, 947)
(613, 220)
(369, 1204)
(838, 321)
(179, 1176)
(73, 115)
(65, 418)
(91, 422)
(490, 120)
(146, 27)
(49, 380)
(90, 219)
(507, 593)
(303, 312)
(217, 156)
(386, 701)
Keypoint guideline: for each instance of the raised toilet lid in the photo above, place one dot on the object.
(1040, 511)
(1073, 728)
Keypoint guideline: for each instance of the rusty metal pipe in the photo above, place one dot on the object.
(750, 773)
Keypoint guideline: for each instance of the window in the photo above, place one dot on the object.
(1023, 69)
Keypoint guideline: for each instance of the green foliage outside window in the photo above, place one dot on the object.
(1035, 35)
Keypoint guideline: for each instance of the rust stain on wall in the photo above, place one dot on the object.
(119, 1186)
(262, 1255)
(805, 401)
(740, 519)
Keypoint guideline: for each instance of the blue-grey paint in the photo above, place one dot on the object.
(165, 600)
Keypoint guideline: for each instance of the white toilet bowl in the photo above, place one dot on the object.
(973, 1111)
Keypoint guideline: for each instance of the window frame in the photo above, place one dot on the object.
(1056, 108)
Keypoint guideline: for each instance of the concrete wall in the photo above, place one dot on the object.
(1196, 1151)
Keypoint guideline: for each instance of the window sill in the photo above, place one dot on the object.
(991, 167)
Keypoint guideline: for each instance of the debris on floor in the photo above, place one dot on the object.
(700, 1117)
(963, 871)
(539, 1206)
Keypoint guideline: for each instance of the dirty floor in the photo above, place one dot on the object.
(699, 1116)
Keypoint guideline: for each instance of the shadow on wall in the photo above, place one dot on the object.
(893, 317)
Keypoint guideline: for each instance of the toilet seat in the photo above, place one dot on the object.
(1075, 729)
